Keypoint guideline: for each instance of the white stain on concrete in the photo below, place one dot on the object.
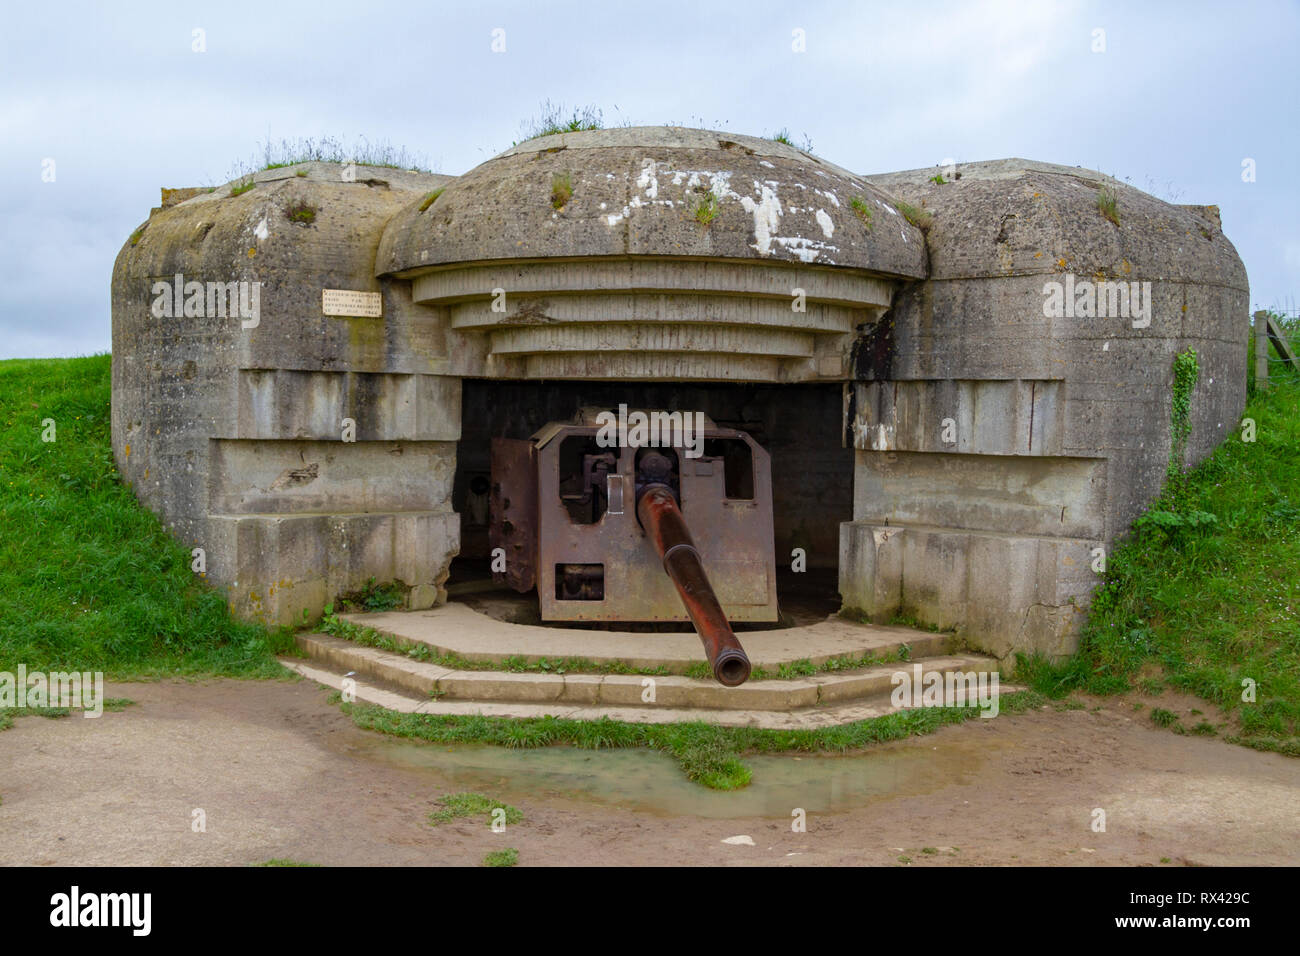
(261, 231)
(767, 217)
(765, 207)
(806, 250)
(648, 182)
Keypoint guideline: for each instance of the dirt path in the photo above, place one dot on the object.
(280, 773)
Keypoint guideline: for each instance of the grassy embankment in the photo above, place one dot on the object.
(89, 580)
(1210, 605)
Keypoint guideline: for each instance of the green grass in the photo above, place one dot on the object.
(301, 212)
(556, 118)
(7, 714)
(783, 136)
(282, 862)
(862, 210)
(242, 187)
(706, 207)
(373, 597)
(430, 199)
(330, 149)
(507, 857)
(1209, 604)
(1163, 718)
(456, 805)
(915, 215)
(561, 190)
(1108, 204)
(89, 580)
(708, 754)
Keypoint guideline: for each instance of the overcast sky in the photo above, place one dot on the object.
(116, 96)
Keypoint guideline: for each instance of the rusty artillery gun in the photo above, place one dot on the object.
(603, 530)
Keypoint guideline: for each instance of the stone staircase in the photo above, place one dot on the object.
(395, 679)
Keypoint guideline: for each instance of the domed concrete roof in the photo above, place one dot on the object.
(1019, 217)
(656, 191)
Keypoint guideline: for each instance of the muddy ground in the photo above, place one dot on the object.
(279, 772)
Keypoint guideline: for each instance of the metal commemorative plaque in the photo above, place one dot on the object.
(365, 305)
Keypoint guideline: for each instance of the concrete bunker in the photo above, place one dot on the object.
(943, 438)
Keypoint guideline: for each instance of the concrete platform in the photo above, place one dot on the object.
(455, 628)
(395, 680)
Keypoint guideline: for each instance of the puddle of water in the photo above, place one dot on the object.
(651, 782)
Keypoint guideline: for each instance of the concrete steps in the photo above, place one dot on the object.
(455, 628)
(396, 680)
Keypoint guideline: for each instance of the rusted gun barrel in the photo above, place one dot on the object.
(663, 522)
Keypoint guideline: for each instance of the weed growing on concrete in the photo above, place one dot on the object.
(938, 179)
(430, 199)
(242, 187)
(556, 118)
(1108, 203)
(917, 217)
(301, 212)
(330, 149)
(373, 597)
(706, 207)
(135, 236)
(1187, 369)
(862, 210)
(783, 136)
(561, 190)
(506, 857)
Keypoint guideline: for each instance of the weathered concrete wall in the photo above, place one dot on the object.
(1078, 406)
(230, 427)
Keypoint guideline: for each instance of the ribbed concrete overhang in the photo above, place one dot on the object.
(656, 253)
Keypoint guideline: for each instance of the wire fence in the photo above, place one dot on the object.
(1277, 369)
(1289, 321)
